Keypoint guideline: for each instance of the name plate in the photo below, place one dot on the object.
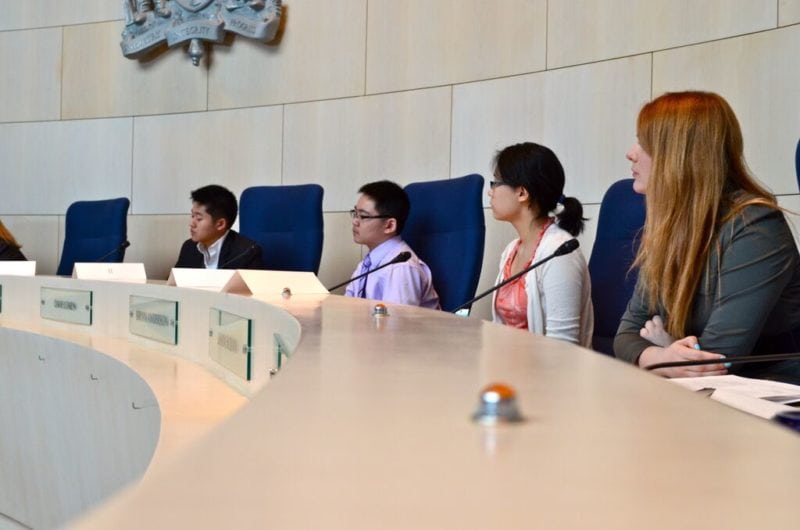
(66, 305)
(229, 341)
(17, 268)
(246, 281)
(118, 272)
(153, 318)
(208, 279)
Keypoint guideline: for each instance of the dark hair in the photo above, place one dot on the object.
(537, 169)
(390, 200)
(219, 202)
(8, 237)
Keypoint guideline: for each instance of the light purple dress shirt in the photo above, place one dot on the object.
(407, 283)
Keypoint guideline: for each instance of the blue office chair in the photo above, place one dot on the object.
(797, 162)
(446, 230)
(287, 222)
(96, 231)
(622, 214)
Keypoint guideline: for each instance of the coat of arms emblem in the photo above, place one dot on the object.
(150, 23)
(194, 5)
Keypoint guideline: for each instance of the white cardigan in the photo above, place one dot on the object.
(559, 292)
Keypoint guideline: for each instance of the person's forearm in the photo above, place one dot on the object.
(629, 346)
(649, 355)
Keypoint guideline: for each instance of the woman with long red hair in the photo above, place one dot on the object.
(719, 272)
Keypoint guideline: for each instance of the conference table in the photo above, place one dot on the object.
(351, 420)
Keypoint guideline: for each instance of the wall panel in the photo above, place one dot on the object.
(156, 241)
(176, 154)
(420, 43)
(49, 165)
(24, 14)
(788, 12)
(320, 55)
(38, 235)
(100, 81)
(586, 114)
(343, 144)
(759, 76)
(340, 254)
(30, 83)
(594, 30)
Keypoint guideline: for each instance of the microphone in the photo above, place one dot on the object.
(742, 359)
(565, 248)
(238, 256)
(400, 258)
(119, 248)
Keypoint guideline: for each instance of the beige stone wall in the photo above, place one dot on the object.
(358, 90)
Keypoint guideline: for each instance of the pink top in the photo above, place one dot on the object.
(512, 300)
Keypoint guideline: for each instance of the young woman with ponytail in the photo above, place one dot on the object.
(718, 267)
(554, 299)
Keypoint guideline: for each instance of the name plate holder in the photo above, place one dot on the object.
(246, 281)
(207, 279)
(281, 352)
(153, 318)
(17, 268)
(230, 341)
(66, 305)
(115, 272)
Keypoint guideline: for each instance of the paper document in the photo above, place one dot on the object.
(756, 396)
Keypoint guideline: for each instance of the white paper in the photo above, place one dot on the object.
(743, 393)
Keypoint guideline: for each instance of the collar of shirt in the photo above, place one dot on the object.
(386, 251)
(211, 254)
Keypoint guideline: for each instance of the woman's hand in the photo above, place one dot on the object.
(685, 349)
(654, 331)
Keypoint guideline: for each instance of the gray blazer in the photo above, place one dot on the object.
(747, 303)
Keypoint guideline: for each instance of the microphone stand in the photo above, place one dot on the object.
(119, 248)
(400, 258)
(565, 248)
(239, 256)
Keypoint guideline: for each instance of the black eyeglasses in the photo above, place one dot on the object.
(495, 183)
(355, 214)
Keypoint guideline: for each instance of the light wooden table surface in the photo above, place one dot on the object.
(368, 426)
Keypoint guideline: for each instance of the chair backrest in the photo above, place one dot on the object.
(446, 229)
(622, 214)
(95, 232)
(287, 222)
(797, 162)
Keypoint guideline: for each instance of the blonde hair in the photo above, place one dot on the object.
(698, 181)
(6, 236)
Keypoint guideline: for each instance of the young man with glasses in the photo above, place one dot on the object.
(378, 218)
(213, 245)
